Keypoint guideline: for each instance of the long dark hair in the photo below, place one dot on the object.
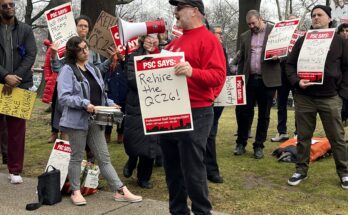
(72, 49)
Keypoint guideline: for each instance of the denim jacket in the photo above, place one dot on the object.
(70, 96)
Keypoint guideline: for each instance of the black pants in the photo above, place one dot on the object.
(53, 108)
(144, 167)
(256, 92)
(210, 155)
(186, 176)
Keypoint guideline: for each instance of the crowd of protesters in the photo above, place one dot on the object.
(76, 85)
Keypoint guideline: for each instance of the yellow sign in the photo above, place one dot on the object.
(19, 104)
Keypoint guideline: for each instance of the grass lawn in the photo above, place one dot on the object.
(251, 186)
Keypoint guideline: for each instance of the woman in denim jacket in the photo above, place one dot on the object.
(79, 92)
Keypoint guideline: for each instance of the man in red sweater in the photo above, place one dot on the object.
(205, 69)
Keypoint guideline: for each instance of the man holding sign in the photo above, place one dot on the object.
(311, 98)
(17, 55)
(205, 70)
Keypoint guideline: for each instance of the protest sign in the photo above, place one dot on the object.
(100, 38)
(233, 92)
(297, 34)
(311, 60)
(339, 12)
(19, 104)
(61, 25)
(132, 44)
(176, 31)
(279, 38)
(59, 158)
(164, 99)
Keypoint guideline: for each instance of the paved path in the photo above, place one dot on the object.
(13, 199)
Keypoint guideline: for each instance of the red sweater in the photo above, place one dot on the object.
(205, 54)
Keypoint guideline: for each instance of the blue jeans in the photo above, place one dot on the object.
(183, 155)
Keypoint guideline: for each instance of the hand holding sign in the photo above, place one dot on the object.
(183, 68)
(305, 83)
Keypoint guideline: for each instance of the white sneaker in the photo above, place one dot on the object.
(15, 179)
(280, 137)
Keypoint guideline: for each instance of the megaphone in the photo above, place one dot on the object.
(129, 30)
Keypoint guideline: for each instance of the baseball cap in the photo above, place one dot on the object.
(194, 3)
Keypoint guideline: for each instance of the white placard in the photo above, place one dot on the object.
(279, 38)
(339, 11)
(297, 34)
(312, 57)
(233, 92)
(61, 25)
(164, 98)
(59, 158)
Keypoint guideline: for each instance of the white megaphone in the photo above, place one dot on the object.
(129, 30)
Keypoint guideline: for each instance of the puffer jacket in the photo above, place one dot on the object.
(50, 78)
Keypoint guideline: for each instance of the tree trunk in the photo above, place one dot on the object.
(92, 8)
(244, 7)
(279, 12)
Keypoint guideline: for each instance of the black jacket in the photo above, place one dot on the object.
(135, 141)
(335, 71)
(23, 52)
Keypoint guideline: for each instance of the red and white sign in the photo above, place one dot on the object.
(59, 158)
(279, 38)
(339, 11)
(164, 98)
(61, 25)
(233, 92)
(176, 31)
(297, 34)
(132, 43)
(312, 57)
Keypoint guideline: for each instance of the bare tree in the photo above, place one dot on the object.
(278, 9)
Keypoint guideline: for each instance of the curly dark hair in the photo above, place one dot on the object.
(341, 27)
(72, 49)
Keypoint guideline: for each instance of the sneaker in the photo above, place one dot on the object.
(280, 137)
(77, 198)
(344, 182)
(240, 149)
(258, 153)
(296, 178)
(124, 195)
(15, 179)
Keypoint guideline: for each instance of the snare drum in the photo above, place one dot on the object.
(107, 116)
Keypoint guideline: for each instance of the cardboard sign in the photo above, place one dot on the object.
(59, 158)
(279, 38)
(100, 38)
(339, 11)
(311, 61)
(164, 98)
(297, 34)
(132, 44)
(19, 104)
(61, 25)
(233, 92)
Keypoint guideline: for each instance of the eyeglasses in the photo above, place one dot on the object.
(82, 26)
(8, 5)
(182, 6)
(85, 49)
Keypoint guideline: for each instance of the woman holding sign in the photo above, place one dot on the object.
(75, 83)
(136, 144)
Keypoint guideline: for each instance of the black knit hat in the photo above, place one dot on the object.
(194, 3)
(324, 8)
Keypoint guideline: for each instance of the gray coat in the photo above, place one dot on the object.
(70, 96)
(23, 54)
(270, 69)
